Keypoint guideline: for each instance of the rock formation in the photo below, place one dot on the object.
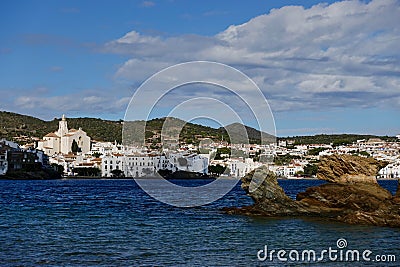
(398, 189)
(351, 195)
(348, 169)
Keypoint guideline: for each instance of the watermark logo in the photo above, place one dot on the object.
(341, 243)
(340, 253)
(195, 91)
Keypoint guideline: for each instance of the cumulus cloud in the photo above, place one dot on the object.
(342, 54)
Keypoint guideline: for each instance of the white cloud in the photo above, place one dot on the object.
(87, 102)
(56, 69)
(346, 53)
(148, 4)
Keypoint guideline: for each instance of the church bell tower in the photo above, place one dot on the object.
(62, 126)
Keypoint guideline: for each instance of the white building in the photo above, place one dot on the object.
(5, 146)
(61, 140)
(291, 170)
(240, 167)
(288, 171)
(130, 165)
(391, 171)
(187, 162)
(140, 165)
(3, 161)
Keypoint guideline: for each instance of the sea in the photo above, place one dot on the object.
(96, 222)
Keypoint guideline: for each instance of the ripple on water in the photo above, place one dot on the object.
(113, 222)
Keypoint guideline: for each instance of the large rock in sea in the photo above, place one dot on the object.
(269, 198)
(348, 169)
(351, 195)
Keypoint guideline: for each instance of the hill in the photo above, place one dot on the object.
(14, 125)
(22, 128)
(335, 139)
(243, 134)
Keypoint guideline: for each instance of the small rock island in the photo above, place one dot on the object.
(351, 194)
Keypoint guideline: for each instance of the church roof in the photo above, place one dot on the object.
(51, 135)
(73, 130)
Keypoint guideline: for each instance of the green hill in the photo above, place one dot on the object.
(335, 139)
(14, 125)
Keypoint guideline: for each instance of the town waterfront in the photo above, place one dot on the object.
(115, 223)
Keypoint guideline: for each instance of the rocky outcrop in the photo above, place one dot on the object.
(345, 169)
(350, 196)
(268, 196)
(398, 189)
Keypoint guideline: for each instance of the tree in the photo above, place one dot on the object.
(310, 170)
(58, 168)
(74, 147)
(117, 173)
(364, 153)
(217, 169)
(87, 171)
(284, 159)
(316, 151)
(222, 150)
(147, 171)
(96, 154)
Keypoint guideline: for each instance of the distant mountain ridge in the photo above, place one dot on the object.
(14, 124)
(245, 134)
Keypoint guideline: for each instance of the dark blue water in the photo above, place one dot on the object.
(114, 223)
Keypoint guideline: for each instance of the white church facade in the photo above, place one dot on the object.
(61, 140)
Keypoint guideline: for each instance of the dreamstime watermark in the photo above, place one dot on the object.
(340, 253)
(198, 90)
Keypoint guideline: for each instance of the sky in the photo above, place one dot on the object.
(323, 67)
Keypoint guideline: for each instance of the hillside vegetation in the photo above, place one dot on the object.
(335, 139)
(13, 126)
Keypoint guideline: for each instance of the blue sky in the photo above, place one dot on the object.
(330, 67)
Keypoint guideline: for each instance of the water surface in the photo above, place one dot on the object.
(114, 223)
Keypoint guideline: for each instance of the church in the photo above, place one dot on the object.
(61, 141)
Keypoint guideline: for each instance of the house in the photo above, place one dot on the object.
(3, 160)
(239, 167)
(391, 171)
(22, 160)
